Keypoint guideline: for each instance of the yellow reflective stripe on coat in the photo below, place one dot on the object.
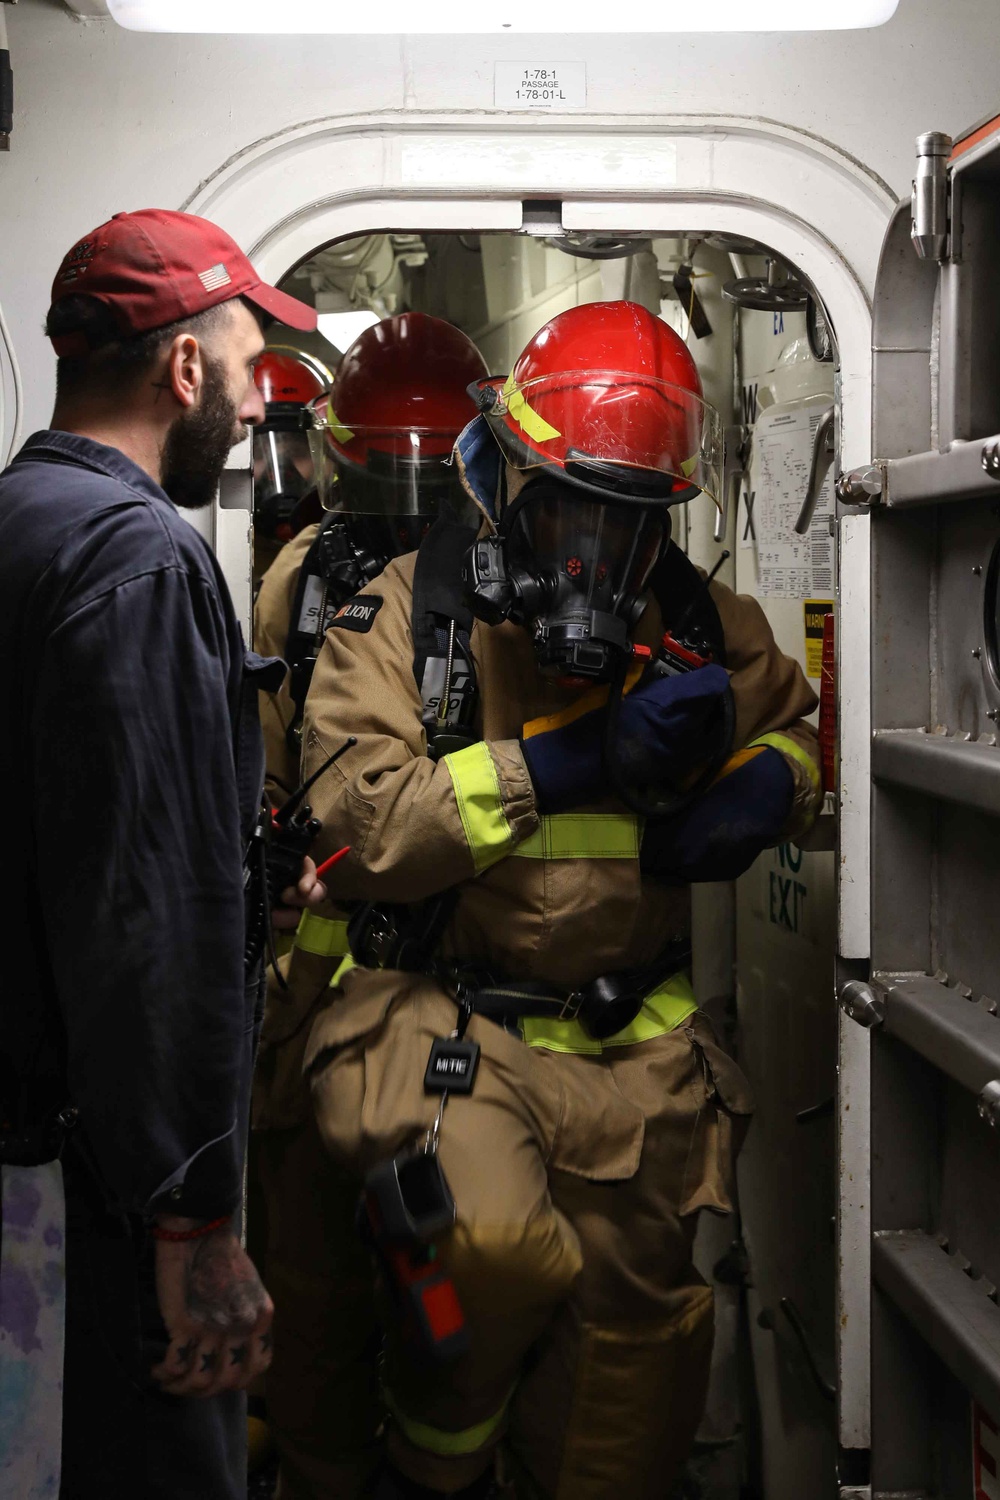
(663, 1010)
(583, 836)
(480, 804)
(794, 751)
(324, 936)
(438, 1439)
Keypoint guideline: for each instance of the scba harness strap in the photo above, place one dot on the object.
(441, 623)
(332, 572)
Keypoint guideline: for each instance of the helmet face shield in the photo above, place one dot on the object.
(383, 438)
(384, 471)
(640, 438)
(282, 463)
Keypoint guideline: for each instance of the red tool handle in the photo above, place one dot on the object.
(828, 706)
(334, 859)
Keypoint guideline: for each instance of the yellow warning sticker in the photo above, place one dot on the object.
(815, 612)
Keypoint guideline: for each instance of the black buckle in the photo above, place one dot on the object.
(571, 1006)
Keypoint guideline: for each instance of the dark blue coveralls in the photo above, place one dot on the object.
(131, 768)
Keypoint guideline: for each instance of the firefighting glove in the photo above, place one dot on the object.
(720, 834)
(670, 727)
(664, 727)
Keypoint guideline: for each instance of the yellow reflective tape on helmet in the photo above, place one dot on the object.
(663, 1010)
(336, 428)
(440, 1440)
(583, 836)
(794, 751)
(525, 416)
(480, 804)
(688, 465)
(324, 936)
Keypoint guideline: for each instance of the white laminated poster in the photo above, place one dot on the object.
(790, 566)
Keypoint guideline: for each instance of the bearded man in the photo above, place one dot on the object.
(133, 767)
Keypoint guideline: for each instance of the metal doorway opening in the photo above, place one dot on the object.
(767, 353)
(823, 212)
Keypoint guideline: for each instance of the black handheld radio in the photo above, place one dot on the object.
(278, 844)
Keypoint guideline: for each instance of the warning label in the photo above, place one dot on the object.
(814, 613)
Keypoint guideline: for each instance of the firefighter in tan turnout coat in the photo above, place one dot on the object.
(381, 451)
(547, 756)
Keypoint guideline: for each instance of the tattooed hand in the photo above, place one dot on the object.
(217, 1313)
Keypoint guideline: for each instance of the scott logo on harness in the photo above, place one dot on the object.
(462, 685)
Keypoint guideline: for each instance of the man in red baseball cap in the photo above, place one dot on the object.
(126, 1046)
(126, 293)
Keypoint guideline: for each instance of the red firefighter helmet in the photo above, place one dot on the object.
(399, 399)
(609, 394)
(286, 378)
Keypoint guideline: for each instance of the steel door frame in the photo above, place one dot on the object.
(823, 211)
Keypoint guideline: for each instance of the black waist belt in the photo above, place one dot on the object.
(399, 937)
(604, 1007)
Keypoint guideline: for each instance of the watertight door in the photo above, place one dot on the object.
(930, 999)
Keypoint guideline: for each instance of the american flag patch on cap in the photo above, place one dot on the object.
(214, 277)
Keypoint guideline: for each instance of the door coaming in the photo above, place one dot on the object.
(820, 209)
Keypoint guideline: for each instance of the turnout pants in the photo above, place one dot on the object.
(322, 1393)
(577, 1181)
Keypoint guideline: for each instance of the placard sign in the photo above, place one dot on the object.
(542, 85)
(985, 1455)
(815, 612)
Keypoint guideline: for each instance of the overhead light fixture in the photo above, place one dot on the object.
(341, 328)
(458, 17)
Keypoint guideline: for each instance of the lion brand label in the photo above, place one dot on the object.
(358, 614)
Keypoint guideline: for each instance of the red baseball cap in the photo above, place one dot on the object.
(155, 267)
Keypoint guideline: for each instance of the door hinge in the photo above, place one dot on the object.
(929, 203)
(861, 486)
(863, 1002)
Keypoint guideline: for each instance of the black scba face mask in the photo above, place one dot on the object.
(572, 570)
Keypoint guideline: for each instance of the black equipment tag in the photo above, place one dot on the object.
(451, 1067)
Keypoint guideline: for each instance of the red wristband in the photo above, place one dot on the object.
(179, 1236)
